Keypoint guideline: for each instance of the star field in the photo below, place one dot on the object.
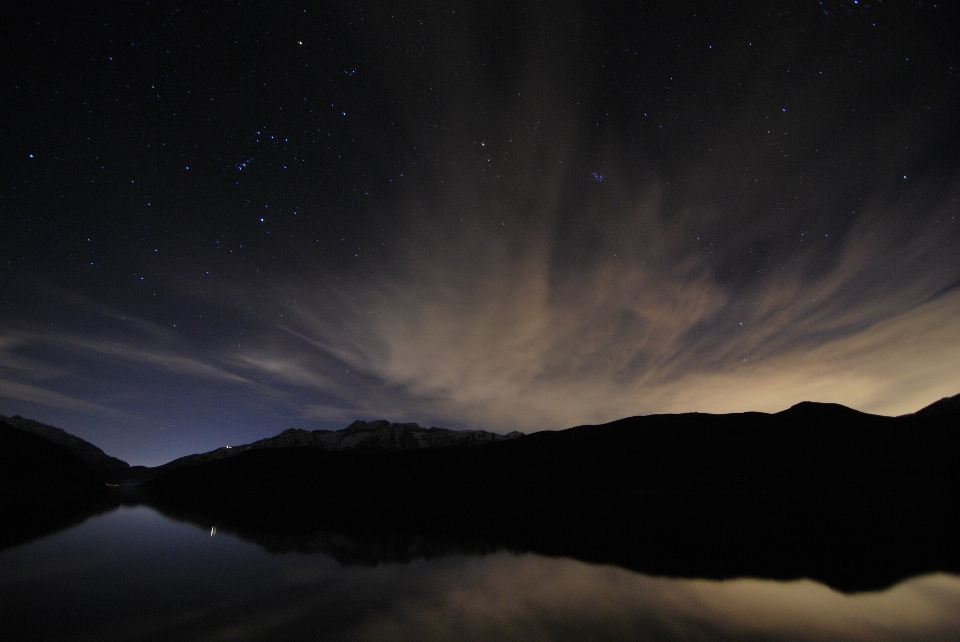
(220, 222)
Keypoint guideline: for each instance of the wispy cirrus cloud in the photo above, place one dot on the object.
(174, 361)
(45, 397)
(514, 338)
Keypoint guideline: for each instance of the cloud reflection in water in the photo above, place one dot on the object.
(133, 574)
(544, 599)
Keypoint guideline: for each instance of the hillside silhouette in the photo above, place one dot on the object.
(44, 487)
(855, 500)
(818, 490)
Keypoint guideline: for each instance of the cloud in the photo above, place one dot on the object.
(501, 330)
(740, 260)
(88, 374)
(286, 370)
(531, 598)
(176, 361)
(167, 360)
(327, 412)
(33, 394)
(892, 367)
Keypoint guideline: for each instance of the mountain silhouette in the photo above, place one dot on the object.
(817, 490)
(44, 487)
(110, 468)
(855, 500)
(810, 446)
(362, 435)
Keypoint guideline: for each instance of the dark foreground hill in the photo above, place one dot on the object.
(854, 500)
(818, 490)
(110, 468)
(43, 486)
(809, 448)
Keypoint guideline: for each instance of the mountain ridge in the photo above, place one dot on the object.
(806, 447)
(364, 435)
(818, 490)
(823, 492)
(44, 486)
(90, 454)
(385, 435)
(376, 434)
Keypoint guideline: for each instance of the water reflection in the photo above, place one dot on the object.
(536, 598)
(134, 574)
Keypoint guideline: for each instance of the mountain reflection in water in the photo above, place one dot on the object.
(135, 574)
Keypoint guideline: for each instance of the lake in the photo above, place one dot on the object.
(135, 574)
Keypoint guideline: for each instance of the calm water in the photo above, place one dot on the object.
(135, 575)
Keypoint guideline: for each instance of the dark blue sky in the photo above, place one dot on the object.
(221, 222)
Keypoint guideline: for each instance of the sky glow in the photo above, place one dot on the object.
(221, 223)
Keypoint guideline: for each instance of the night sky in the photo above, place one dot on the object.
(221, 220)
